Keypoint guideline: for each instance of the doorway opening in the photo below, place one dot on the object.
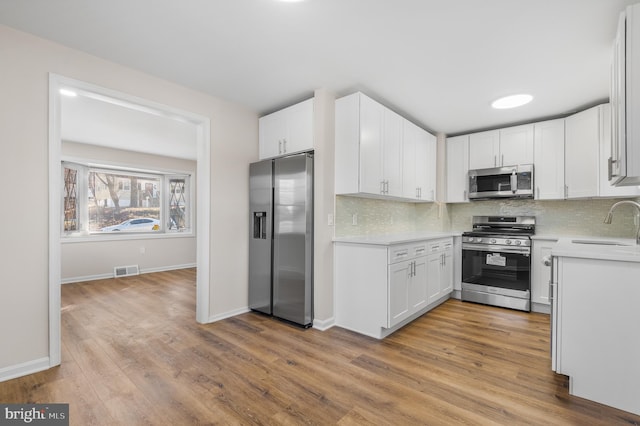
(132, 111)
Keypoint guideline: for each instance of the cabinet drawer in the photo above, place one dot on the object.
(440, 245)
(404, 252)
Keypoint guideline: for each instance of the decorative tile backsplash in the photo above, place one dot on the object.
(553, 218)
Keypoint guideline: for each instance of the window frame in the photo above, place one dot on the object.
(84, 167)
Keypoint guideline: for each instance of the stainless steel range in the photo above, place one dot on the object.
(496, 261)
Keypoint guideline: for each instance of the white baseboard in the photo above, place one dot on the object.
(19, 370)
(228, 314)
(324, 325)
(110, 275)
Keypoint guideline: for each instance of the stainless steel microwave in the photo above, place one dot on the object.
(501, 182)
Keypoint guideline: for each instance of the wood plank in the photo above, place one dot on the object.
(132, 353)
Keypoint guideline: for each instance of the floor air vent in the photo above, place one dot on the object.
(125, 271)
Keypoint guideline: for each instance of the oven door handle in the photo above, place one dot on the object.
(496, 249)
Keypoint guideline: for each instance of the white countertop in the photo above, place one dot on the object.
(626, 249)
(390, 239)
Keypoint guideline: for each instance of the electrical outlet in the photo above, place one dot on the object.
(142, 250)
(330, 219)
(354, 219)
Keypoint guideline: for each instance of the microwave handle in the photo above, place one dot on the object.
(514, 181)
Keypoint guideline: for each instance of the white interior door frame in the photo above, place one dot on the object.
(203, 191)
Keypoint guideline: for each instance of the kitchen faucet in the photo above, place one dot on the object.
(613, 207)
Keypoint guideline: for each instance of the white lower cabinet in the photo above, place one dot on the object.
(595, 329)
(440, 269)
(380, 287)
(541, 274)
(399, 285)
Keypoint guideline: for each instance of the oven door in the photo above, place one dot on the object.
(503, 267)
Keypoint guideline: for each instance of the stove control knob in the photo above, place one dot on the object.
(493, 241)
(478, 240)
(508, 242)
(518, 242)
(470, 239)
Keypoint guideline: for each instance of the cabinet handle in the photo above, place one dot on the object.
(280, 146)
(382, 187)
(386, 186)
(610, 164)
(284, 146)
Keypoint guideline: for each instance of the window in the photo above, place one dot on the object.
(123, 201)
(70, 201)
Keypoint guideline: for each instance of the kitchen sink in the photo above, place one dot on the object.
(601, 242)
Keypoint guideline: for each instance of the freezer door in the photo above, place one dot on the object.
(293, 239)
(260, 235)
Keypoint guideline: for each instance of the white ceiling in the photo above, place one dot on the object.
(438, 62)
(99, 120)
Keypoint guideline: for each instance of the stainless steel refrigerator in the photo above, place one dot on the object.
(281, 238)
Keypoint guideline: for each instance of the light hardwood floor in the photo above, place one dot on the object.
(133, 354)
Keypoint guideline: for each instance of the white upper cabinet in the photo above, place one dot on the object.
(392, 153)
(287, 131)
(457, 169)
(369, 132)
(516, 145)
(606, 189)
(484, 148)
(505, 147)
(370, 157)
(419, 163)
(624, 161)
(582, 143)
(548, 160)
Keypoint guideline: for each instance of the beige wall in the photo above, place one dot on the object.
(24, 287)
(84, 260)
(324, 113)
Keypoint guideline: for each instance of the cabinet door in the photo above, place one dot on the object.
(418, 291)
(483, 149)
(446, 279)
(299, 127)
(581, 154)
(419, 163)
(399, 281)
(516, 145)
(272, 131)
(426, 158)
(607, 190)
(548, 160)
(410, 142)
(540, 273)
(392, 153)
(457, 169)
(434, 276)
(371, 136)
(617, 100)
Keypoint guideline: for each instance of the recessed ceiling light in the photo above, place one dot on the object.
(512, 101)
(67, 92)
